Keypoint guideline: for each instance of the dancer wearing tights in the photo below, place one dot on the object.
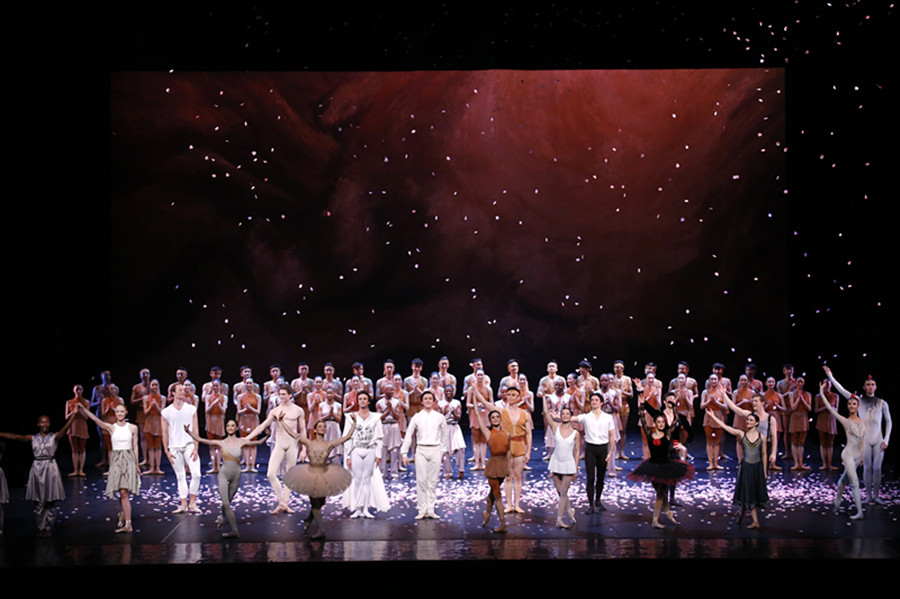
(45, 485)
(517, 422)
(600, 440)
(874, 411)
(285, 449)
(497, 467)
(750, 489)
(564, 461)
(855, 427)
(230, 449)
(660, 469)
(318, 479)
(363, 457)
(124, 474)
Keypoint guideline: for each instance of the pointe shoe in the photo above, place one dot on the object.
(671, 517)
(561, 524)
(656, 524)
(124, 528)
(487, 518)
(857, 516)
(753, 525)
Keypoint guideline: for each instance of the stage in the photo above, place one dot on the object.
(799, 522)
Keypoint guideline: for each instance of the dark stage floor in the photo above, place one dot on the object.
(798, 524)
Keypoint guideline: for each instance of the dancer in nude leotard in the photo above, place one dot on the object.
(855, 427)
(230, 448)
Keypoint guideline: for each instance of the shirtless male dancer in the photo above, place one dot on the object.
(286, 448)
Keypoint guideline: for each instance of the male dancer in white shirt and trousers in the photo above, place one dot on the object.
(181, 449)
(427, 427)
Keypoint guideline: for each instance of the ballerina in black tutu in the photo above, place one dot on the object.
(660, 469)
(750, 489)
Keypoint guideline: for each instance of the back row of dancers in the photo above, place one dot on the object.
(583, 416)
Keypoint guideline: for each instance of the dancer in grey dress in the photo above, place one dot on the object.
(45, 484)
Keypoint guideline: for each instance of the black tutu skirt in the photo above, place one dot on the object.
(666, 473)
(750, 491)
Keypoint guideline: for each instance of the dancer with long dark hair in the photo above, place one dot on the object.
(230, 449)
(660, 469)
(318, 479)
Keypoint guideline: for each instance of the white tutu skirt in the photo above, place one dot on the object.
(318, 481)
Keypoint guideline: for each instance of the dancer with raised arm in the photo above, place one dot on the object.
(45, 485)
(124, 474)
(497, 467)
(318, 479)
(563, 465)
(874, 411)
(230, 448)
(855, 427)
(750, 489)
(285, 449)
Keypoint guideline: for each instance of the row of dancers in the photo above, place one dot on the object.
(505, 426)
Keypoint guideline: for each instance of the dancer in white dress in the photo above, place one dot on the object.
(564, 461)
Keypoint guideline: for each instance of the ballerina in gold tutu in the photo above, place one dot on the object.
(318, 479)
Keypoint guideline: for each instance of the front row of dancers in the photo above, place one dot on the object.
(505, 433)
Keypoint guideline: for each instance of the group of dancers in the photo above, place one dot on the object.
(329, 437)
